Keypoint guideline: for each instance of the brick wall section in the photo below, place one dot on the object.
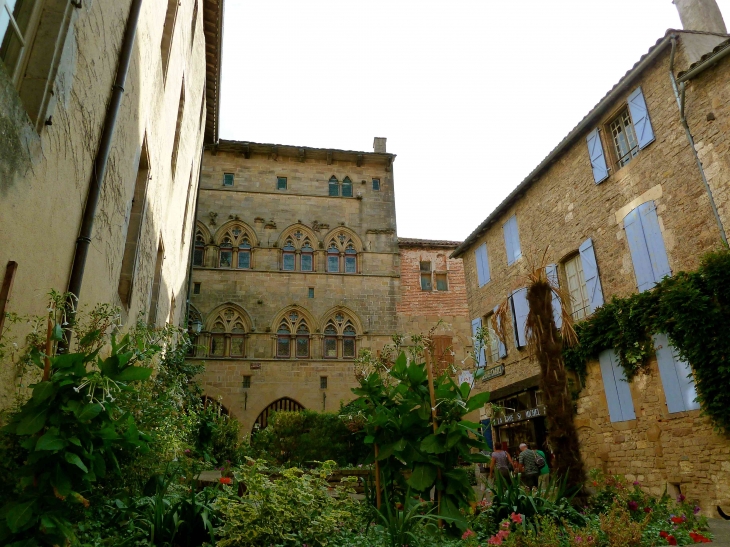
(563, 207)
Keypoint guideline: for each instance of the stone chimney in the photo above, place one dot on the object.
(379, 145)
(701, 15)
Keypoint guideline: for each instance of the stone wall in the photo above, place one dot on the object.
(45, 173)
(563, 207)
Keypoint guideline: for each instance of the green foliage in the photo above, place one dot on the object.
(217, 437)
(401, 521)
(296, 508)
(693, 309)
(301, 438)
(397, 404)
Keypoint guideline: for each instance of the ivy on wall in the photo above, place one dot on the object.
(692, 309)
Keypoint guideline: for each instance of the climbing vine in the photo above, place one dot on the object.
(692, 309)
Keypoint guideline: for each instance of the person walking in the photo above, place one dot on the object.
(501, 461)
(543, 478)
(530, 470)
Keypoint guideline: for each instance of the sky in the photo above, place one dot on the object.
(471, 95)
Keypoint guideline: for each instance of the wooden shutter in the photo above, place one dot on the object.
(476, 324)
(520, 309)
(551, 270)
(676, 374)
(482, 265)
(502, 346)
(640, 118)
(618, 393)
(590, 273)
(646, 244)
(442, 352)
(597, 158)
(512, 240)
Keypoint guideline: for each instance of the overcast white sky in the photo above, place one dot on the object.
(471, 95)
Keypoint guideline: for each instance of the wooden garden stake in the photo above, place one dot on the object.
(429, 370)
(49, 346)
(377, 479)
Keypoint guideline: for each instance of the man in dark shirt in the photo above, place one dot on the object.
(530, 471)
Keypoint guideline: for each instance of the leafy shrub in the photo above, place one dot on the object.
(217, 436)
(297, 508)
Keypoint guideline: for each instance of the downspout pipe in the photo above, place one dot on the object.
(102, 155)
(191, 254)
(679, 95)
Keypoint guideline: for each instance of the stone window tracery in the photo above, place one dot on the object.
(236, 249)
(342, 255)
(340, 338)
(288, 257)
(297, 252)
(228, 335)
(293, 330)
(199, 252)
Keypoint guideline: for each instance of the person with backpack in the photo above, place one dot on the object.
(531, 464)
(543, 478)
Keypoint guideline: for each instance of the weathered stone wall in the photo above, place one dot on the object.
(562, 208)
(265, 292)
(44, 176)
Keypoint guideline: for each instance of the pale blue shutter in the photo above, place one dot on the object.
(590, 274)
(551, 271)
(502, 346)
(482, 265)
(512, 240)
(520, 309)
(618, 393)
(646, 244)
(598, 159)
(640, 118)
(476, 324)
(654, 241)
(676, 374)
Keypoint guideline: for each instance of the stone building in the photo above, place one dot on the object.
(61, 72)
(433, 295)
(621, 202)
(295, 269)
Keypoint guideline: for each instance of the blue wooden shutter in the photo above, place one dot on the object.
(520, 309)
(551, 270)
(646, 244)
(640, 118)
(590, 273)
(502, 346)
(476, 324)
(654, 241)
(676, 374)
(618, 393)
(512, 240)
(482, 265)
(598, 159)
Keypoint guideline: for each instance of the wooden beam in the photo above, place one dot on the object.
(359, 160)
(6, 291)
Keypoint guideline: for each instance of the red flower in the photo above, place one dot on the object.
(225, 480)
(677, 520)
(671, 540)
(663, 534)
(647, 509)
(698, 538)
(517, 519)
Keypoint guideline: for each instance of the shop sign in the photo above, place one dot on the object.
(255, 366)
(493, 372)
(466, 377)
(520, 416)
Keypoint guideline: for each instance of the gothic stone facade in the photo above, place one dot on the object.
(53, 99)
(296, 269)
(612, 233)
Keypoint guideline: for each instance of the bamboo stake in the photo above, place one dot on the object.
(49, 346)
(377, 479)
(429, 370)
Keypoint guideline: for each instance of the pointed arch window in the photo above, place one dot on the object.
(307, 257)
(302, 341)
(330, 341)
(347, 188)
(218, 340)
(199, 251)
(350, 258)
(225, 255)
(334, 187)
(283, 341)
(348, 342)
(238, 341)
(333, 258)
(288, 257)
(244, 254)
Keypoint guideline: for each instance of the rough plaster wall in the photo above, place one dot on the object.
(44, 178)
(562, 209)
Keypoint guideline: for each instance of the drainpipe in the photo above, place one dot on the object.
(191, 254)
(102, 156)
(679, 95)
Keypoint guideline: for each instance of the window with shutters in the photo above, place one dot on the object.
(512, 240)
(441, 280)
(491, 340)
(520, 309)
(178, 129)
(425, 268)
(616, 387)
(168, 31)
(623, 138)
(443, 352)
(576, 284)
(482, 262)
(156, 284)
(478, 342)
(646, 244)
(676, 375)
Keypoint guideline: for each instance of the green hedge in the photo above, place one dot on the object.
(692, 308)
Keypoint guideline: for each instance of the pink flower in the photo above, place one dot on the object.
(633, 506)
(681, 498)
(517, 519)
(495, 540)
(505, 525)
(696, 509)
(468, 534)
(637, 483)
(647, 509)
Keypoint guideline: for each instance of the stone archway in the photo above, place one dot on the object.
(285, 403)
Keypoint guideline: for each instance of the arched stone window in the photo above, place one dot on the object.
(228, 333)
(342, 254)
(235, 246)
(333, 258)
(347, 188)
(307, 257)
(288, 256)
(199, 251)
(293, 330)
(340, 337)
(350, 258)
(334, 187)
